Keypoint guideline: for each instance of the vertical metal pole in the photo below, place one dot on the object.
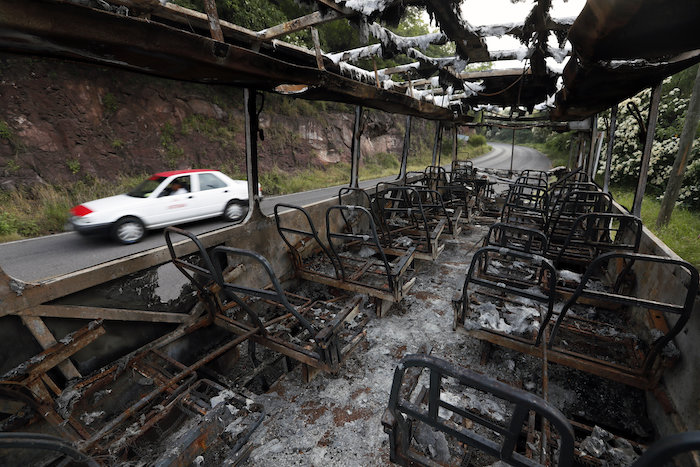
(608, 152)
(596, 159)
(512, 152)
(646, 155)
(355, 149)
(572, 150)
(592, 146)
(213, 17)
(438, 141)
(406, 148)
(251, 144)
(455, 140)
(317, 49)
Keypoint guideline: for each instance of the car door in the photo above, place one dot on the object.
(173, 203)
(212, 195)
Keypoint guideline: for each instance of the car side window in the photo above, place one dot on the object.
(178, 186)
(209, 181)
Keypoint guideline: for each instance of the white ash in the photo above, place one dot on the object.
(223, 396)
(569, 276)
(433, 443)
(88, 417)
(670, 350)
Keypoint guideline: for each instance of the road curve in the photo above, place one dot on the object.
(39, 259)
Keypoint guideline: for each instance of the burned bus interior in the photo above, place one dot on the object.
(458, 315)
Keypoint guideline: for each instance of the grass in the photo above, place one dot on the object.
(681, 234)
(279, 182)
(44, 209)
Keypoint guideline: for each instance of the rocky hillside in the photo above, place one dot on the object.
(63, 121)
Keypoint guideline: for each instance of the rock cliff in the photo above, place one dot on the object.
(61, 121)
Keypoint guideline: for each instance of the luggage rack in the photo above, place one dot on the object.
(352, 258)
(315, 332)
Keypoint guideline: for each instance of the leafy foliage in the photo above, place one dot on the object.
(628, 146)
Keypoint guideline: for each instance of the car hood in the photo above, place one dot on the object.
(113, 202)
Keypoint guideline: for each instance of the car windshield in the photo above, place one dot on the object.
(146, 187)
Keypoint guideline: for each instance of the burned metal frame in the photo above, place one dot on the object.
(539, 275)
(516, 237)
(401, 210)
(526, 204)
(594, 233)
(323, 349)
(379, 278)
(646, 374)
(402, 413)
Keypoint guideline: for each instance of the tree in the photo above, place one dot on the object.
(685, 145)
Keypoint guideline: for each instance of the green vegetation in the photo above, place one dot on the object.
(173, 152)
(44, 209)
(681, 234)
(117, 143)
(73, 165)
(210, 127)
(277, 181)
(109, 101)
(5, 131)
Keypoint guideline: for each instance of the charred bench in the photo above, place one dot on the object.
(603, 328)
(447, 408)
(128, 410)
(410, 224)
(352, 258)
(506, 296)
(318, 333)
(457, 416)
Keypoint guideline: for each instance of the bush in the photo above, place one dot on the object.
(476, 140)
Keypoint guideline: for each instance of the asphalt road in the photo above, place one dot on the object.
(39, 259)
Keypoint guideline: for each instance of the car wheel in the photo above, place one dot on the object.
(235, 210)
(128, 230)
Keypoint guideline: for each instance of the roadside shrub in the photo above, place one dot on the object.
(476, 140)
(628, 147)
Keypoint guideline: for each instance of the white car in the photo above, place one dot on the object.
(163, 199)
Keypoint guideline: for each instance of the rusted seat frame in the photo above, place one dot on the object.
(309, 234)
(398, 416)
(371, 206)
(350, 273)
(527, 205)
(462, 171)
(516, 237)
(590, 236)
(208, 274)
(575, 204)
(540, 176)
(395, 283)
(434, 176)
(663, 450)
(404, 202)
(435, 209)
(645, 375)
(322, 351)
(575, 176)
(544, 281)
(326, 356)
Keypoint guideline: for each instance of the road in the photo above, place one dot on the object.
(39, 259)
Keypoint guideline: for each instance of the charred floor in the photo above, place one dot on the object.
(524, 334)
